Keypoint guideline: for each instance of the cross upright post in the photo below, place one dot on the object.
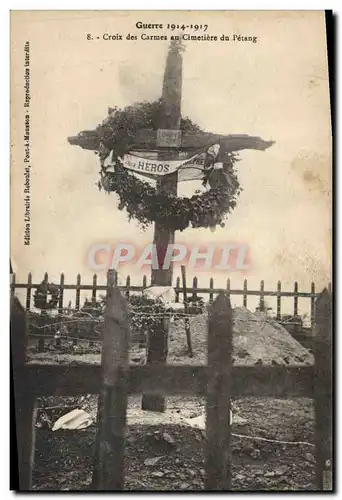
(169, 120)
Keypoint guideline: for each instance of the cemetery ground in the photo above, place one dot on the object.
(170, 456)
(164, 451)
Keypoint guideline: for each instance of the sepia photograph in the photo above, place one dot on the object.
(171, 288)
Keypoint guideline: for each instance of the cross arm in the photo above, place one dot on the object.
(87, 139)
(146, 139)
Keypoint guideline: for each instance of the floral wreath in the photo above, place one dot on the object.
(46, 296)
(143, 201)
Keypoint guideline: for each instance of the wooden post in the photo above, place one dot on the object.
(323, 390)
(93, 291)
(211, 287)
(170, 119)
(24, 399)
(93, 301)
(13, 281)
(245, 293)
(110, 472)
(26, 434)
(194, 293)
(278, 301)
(186, 310)
(60, 310)
(111, 282)
(262, 296)
(128, 284)
(218, 450)
(228, 287)
(177, 292)
(28, 292)
(295, 299)
(42, 321)
(77, 307)
(296, 328)
(312, 308)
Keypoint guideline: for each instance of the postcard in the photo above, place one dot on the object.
(171, 240)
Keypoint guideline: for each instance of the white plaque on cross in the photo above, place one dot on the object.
(167, 138)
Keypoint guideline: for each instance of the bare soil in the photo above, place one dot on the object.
(64, 459)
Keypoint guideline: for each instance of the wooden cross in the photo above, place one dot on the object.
(169, 141)
(170, 121)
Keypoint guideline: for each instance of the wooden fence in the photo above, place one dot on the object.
(193, 292)
(41, 328)
(218, 382)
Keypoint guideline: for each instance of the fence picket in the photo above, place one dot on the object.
(28, 292)
(177, 291)
(24, 399)
(77, 306)
(61, 295)
(244, 293)
(218, 447)
(279, 301)
(93, 292)
(60, 308)
(295, 299)
(128, 284)
(323, 390)
(78, 292)
(114, 393)
(42, 321)
(228, 286)
(25, 422)
(262, 296)
(312, 307)
(186, 309)
(211, 287)
(111, 282)
(93, 300)
(13, 285)
(194, 293)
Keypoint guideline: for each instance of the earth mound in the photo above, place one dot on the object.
(257, 339)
